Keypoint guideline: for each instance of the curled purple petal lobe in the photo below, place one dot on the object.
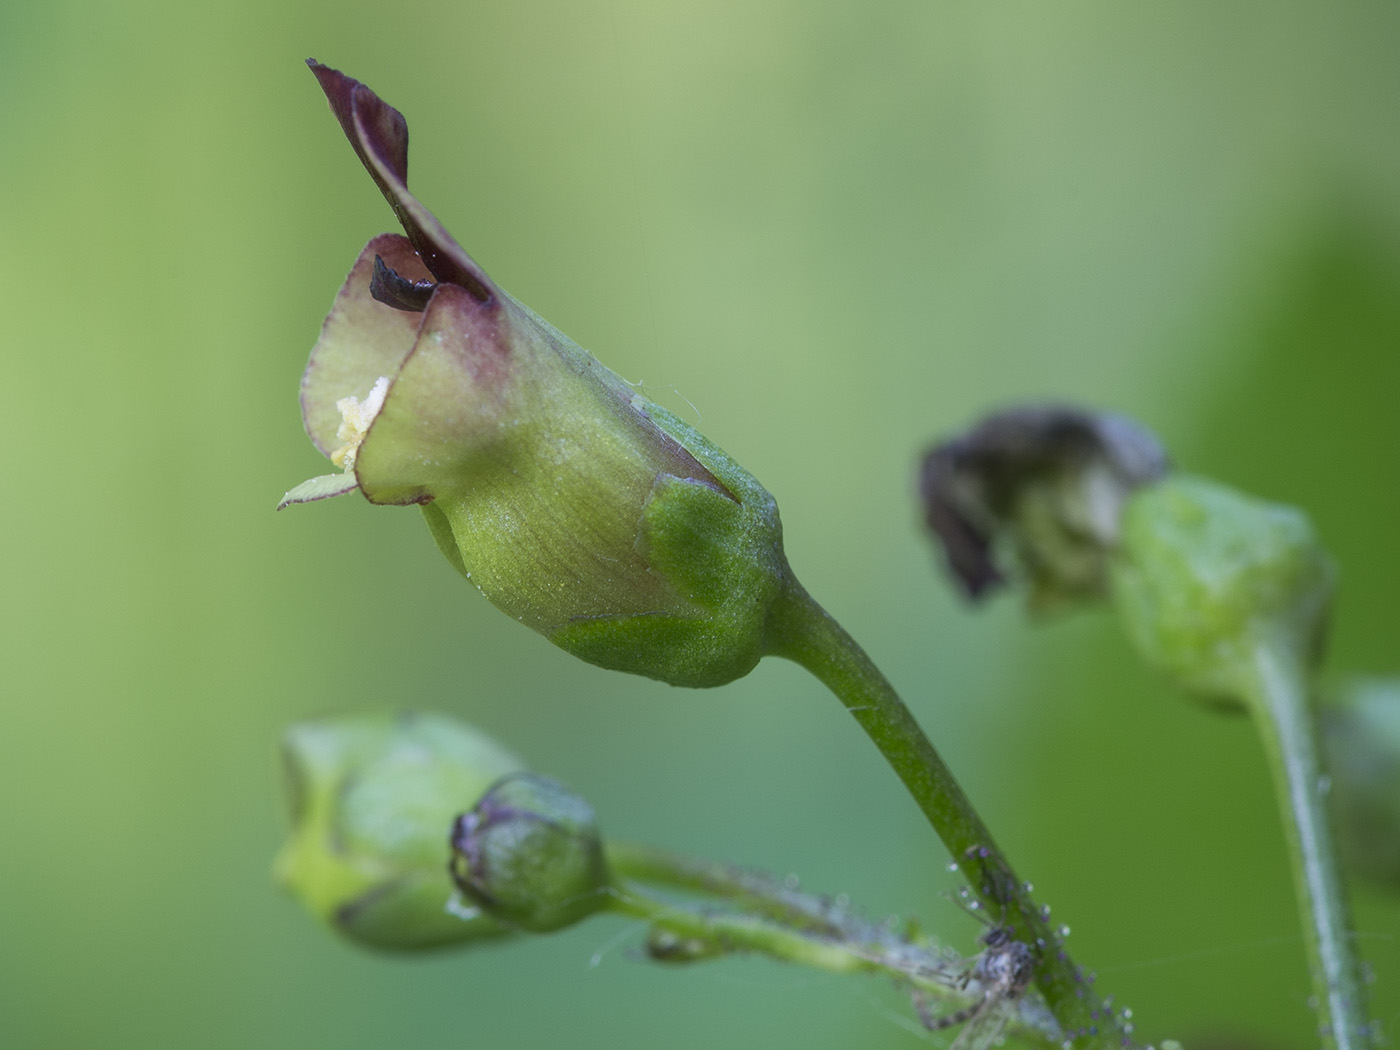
(391, 288)
(391, 142)
(379, 134)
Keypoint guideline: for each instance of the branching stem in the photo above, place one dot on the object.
(922, 968)
(752, 892)
(804, 632)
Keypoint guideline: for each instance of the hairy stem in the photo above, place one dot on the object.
(804, 632)
(729, 931)
(751, 891)
(1284, 717)
(922, 968)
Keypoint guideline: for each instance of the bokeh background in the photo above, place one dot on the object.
(830, 231)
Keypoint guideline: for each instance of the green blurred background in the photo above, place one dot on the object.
(837, 231)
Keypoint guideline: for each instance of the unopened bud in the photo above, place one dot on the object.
(1206, 575)
(529, 854)
(372, 797)
(667, 946)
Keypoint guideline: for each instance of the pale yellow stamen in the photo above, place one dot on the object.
(356, 416)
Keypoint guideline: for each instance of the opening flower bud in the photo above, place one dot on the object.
(371, 797)
(572, 503)
(1207, 575)
(529, 854)
(1048, 482)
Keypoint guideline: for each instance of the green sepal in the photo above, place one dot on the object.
(441, 529)
(326, 486)
(1205, 575)
(719, 552)
(530, 855)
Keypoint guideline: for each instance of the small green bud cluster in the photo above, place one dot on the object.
(371, 798)
(394, 814)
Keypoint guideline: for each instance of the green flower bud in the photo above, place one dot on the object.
(1361, 740)
(1048, 482)
(372, 797)
(667, 946)
(529, 854)
(572, 503)
(1206, 576)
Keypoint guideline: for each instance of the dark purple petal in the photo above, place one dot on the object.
(967, 544)
(973, 484)
(391, 288)
(379, 134)
(391, 128)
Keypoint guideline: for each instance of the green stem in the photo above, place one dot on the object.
(802, 631)
(738, 931)
(927, 972)
(753, 892)
(1284, 717)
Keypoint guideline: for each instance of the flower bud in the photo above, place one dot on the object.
(1361, 740)
(529, 854)
(1047, 481)
(372, 797)
(667, 946)
(1206, 575)
(569, 501)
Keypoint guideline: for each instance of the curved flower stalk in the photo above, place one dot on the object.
(572, 503)
(1230, 597)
